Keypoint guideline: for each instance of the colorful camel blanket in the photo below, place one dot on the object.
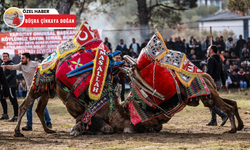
(77, 84)
(93, 106)
(138, 108)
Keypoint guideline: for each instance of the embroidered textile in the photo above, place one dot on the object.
(138, 112)
(93, 106)
(185, 70)
(78, 84)
(198, 87)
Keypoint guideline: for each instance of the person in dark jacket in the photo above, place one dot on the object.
(171, 44)
(122, 47)
(214, 69)
(108, 44)
(11, 80)
(242, 79)
(136, 47)
(234, 78)
(4, 84)
(179, 45)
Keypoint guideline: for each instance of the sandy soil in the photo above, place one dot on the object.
(186, 130)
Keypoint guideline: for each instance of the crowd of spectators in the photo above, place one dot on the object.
(234, 53)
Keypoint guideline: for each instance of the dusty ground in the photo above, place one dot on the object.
(186, 130)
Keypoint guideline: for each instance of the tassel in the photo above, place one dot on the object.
(87, 127)
(90, 123)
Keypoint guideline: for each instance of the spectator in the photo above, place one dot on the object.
(22, 88)
(234, 79)
(235, 68)
(233, 56)
(245, 53)
(235, 50)
(237, 62)
(227, 66)
(244, 66)
(201, 54)
(135, 46)
(16, 59)
(190, 56)
(171, 44)
(190, 43)
(122, 47)
(28, 69)
(108, 44)
(5, 91)
(242, 79)
(132, 53)
(144, 44)
(179, 45)
(248, 43)
(205, 45)
(11, 80)
(240, 42)
(120, 79)
(196, 62)
(187, 50)
(217, 43)
(226, 55)
(222, 44)
(229, 43)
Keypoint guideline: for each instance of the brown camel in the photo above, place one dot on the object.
(121, 120)
(214, 100)
(227, 106)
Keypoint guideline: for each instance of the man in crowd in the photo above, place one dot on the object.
(144, 44)
(3, 84)
(28, 69)
(171, 44)
(205, 44)
(214, 69)
(179, 45)
(135, 46)
(108, 44)
(122, 47)
(11, 80)
(240, 42)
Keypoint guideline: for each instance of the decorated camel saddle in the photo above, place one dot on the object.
(81, 64)
(162, 81)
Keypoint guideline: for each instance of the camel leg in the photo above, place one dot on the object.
(22, 109)
(236, 112)
(40, 111)
(98, 124)
(226, 108)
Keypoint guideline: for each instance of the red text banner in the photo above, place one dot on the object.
(39, 42)
(49, 20)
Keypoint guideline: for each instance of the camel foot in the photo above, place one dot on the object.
(50, 131)
(231, 131)
(240, 127)
(107, 130)
(18, 134)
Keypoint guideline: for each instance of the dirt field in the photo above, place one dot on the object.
(186, 130)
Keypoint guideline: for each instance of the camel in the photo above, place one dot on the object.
(229, 107)
(120, 122)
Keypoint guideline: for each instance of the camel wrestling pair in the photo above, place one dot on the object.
(162, 82)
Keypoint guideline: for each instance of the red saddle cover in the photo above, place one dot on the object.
(76, 59)
(157, 77)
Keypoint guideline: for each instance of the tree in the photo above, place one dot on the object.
(163, 12)
(241, 7)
